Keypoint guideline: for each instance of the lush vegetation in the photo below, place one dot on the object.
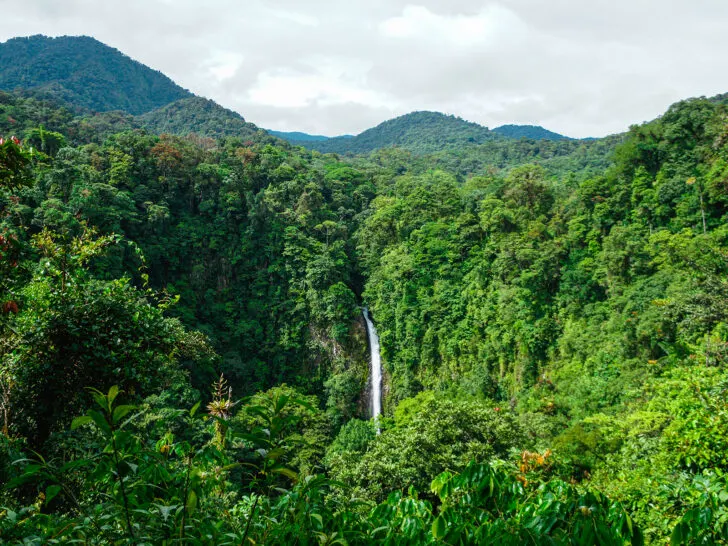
(85, 72)
(202, 117)
(533, 132)
(427, 133)
(423, 141)
(596, 310)
(418, 132)
(183, 361)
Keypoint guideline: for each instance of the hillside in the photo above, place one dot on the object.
(196, 335)
(84, 76)
(551, 328)
(297, 136)
(533, 132)
(418, 132)
(84, 72)
(202, 117)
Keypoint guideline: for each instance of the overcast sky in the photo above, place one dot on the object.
(578, 67)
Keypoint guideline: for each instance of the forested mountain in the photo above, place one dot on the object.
(84, 72)
(418, 132)
(83, 75)
(577, 158)
(297, 136)
(93, 78)
(552, 318)
(202, 117)
(533, 132)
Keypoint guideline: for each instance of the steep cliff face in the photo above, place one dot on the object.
(345, 365)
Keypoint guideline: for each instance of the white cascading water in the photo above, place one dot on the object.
(375, 400)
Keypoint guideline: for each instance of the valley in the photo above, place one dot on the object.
(429, 332)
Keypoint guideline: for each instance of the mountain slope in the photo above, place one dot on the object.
(203, 117)
(84, 72)
(297, 136)
(418, 132)
(534, 132)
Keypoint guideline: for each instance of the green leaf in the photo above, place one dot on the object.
(51, 492)
(678, 535)
(274, 454)
(113, 393)
(319, 519)
(120, 412)
(100, 399)
(80, 421)
(191, 502)
(281, 402)
(194, 409)
(100, 421)
(439, 527)
(287, 472)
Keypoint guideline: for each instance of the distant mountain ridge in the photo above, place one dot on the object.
(203, 117)
(420, 132)
(532, 132)
(88, 75)
(297, 136)
(84, 72)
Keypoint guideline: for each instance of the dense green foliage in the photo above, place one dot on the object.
(202, 117)
(200, 488)
(552, 317)
(23, 113)
(574, 159)
(422, 133)
(422, 141)
(83, 71)
(197, 213)
(597, 306)
(533, 132)
(418, 132)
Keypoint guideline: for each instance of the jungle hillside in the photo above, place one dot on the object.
(184, 357)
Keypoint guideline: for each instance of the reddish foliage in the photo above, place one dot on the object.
(168, 157)
(6, 241)
(246, 155)
(10, 307)
(15, 140)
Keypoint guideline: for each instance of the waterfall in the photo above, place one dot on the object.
(375, 398)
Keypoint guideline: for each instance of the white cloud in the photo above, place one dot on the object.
(296, 17)
(323, 81)
(331, 67)
(486, 27)
(223, 65)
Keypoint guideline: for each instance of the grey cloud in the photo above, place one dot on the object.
(580, 68)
